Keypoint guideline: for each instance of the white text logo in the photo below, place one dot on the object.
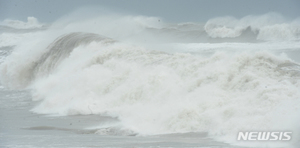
(265, 136)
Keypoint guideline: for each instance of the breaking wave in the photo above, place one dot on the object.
(156, 92)
(32, 23)
(270, 26)
(62, 47)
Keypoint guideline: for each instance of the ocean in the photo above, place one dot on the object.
(135, 81)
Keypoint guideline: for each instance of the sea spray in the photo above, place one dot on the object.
(219, 89)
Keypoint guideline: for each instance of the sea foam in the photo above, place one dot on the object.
(152, 91)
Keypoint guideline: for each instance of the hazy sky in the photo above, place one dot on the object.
(170, 10)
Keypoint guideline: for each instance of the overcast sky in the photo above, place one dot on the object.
(170, 10)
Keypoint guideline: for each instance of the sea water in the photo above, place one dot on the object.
(137, 81)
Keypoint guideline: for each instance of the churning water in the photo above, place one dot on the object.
(129, 81)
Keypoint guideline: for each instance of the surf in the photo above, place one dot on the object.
(127, 73)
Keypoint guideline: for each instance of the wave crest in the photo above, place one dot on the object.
(62, 47)
(270, 26)
(20, 75)
(32, 23)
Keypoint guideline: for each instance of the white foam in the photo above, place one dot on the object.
(153, 92)
(279, 32)
(271, 26)
(31, 23)
(12, 39)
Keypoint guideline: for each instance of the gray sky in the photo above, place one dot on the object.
(170, 10)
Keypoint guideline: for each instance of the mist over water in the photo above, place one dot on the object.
(219, 77)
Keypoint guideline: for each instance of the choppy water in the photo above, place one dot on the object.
(125, 81)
